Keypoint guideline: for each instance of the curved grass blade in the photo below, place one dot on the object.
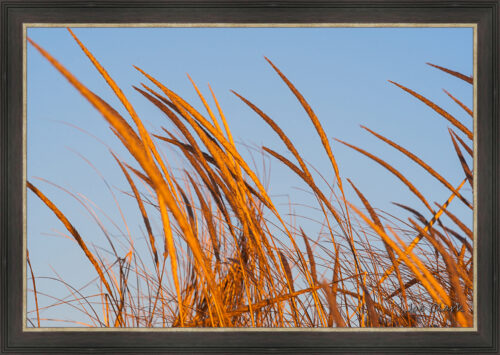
(459, 223)
(34, 288)
(394, 171)
(390, 252)
(466, 147)
(429, 225)
(460, 103)
(416, 266)
(143, 212)
(438, 109)
(90, 256)
(310, 256)
(465, 167)
(468, 79)
(453, 271)
(314, 120)
(423, 164)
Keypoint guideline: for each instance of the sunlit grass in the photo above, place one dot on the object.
(226, 257)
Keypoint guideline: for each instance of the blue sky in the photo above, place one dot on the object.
(342, 72)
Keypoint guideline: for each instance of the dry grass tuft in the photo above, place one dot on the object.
(229, 257)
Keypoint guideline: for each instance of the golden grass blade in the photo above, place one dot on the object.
(188, 205)
(193, 147)
(288, 271)
(314, 275)
(280, 133)
(420, 162)
(187, 112)
(466, 147)
(211, 182)
(271, 301)
(310, 256)
(433, 231)
(390, 252)
(207, 107)
(142, 210)
(203, 157)
(304, 173)
(460, 103)
(416, 266)
(209, 219)
(465, 167)
(236, 194)
(438, 109)
(140, 175)
(453, 272)
(337, 317)
(145, 137)
(417, 214)
(461, 256)
(187, 147)
(372, 315)
(289, 279)
(468, 79)
(281, 298)
(228, 131)
(34, 288)
(118, 92)
(427, 227)
(373, 320)
(230, 195)
(395, 172)
(326, 146)
(169, 241)
(161, 98)
(134, 144)
(316, 190)
(332, 305)
(314, 120)
(223, 118)
(90, 256)
(450, 251)
(460, 224)
(457, 236)
(407, 285)
(367, 205)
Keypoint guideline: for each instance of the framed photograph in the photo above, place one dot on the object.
(239, 176)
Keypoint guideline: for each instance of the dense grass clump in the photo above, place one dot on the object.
(225, 256)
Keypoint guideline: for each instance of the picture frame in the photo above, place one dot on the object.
(485, 14)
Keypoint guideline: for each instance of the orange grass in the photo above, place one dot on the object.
(229, 257)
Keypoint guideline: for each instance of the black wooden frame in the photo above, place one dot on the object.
(483, 13)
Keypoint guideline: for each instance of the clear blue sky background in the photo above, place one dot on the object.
(342, 72)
